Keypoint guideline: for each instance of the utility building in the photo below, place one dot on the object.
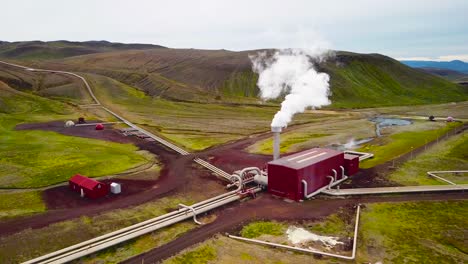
(298, 175)
(88, 187)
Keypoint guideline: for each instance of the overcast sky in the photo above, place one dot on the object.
(398, 28)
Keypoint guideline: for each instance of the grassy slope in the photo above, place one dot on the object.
(20, 203)
(38, 158)
(288, 142)
(357, 80)
(326, 130)
(422, 232)
(447, 155)
(55, 86)
(192, 125)
(387, 148)
(374, 80)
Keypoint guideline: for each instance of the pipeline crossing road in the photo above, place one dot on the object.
(125, 234)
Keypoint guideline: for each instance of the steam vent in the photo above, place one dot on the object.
(276, 141)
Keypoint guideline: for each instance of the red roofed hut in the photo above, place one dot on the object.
(88, 187)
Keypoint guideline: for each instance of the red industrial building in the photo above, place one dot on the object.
(88, 187)
(314, 166)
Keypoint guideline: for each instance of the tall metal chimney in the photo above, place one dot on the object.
(276, 141)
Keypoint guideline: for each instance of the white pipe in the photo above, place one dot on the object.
(335, 174)
(362, 155)
(242, 173)
(308, 196)
(342, 172)
(332, 179)
(83, 251)
(353, 253)
(401, 189)
(74, 252)
(140, 226)
(193, 211)
(432, 174)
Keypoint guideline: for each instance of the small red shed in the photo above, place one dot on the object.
(88, 187)
(285, 175)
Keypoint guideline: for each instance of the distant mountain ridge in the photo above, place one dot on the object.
(222, 76)
(455, 65)
(451, 75)
(45, 50)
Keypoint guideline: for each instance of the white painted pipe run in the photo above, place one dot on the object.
(353, 253)
(194, 213)
(242, 175)
(433, 174)
(332, 183)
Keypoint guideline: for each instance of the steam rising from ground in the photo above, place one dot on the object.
(291, 72)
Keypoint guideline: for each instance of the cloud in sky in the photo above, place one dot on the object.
(398, 28)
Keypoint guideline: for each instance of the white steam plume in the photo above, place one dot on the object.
(292, 72)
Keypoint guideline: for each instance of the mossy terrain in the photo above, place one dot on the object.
(398, 144)
(39, 158)
(20, 203)
(447, 155)
(201, 255)
(288, 142)
(414, 232)
(256, 229)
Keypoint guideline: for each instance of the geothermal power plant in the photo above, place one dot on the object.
(302, 175)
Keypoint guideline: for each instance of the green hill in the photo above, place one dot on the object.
(221, 76)
(39, 50)
(357, 80)
(369, 80)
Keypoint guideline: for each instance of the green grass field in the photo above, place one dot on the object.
(387, 148)
(447, 155)
(338, 128)
(39, 158)
(414, 232)
(20, 203)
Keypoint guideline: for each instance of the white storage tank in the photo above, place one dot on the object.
(115, 188)
(69, 123)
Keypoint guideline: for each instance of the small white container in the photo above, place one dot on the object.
(115, 188)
